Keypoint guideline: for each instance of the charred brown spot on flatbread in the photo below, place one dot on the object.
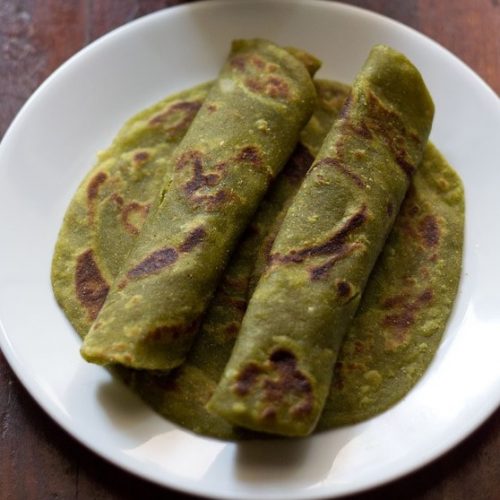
(271, 86)
(359, 347)
(122, 284)
(425, 297)
(343, 169)
(394, 301)
(178, 117)
(283, 358)
(257, 61)
(413, 210)
(251, 62)
(154, 262)
(94, 185)
(262, 76)
(250, 154)
(361, 129)
(133, 209)
(334, 245)
(118, 199)
(93, 188)
(401, 314)
(141, 157)
(401, 159)
(193, 239)
(199, 188)
(390, 127)
(280, 380)
(399, 321)
(420, 226)
(91, 287)
(344, 288)
(238, 62)
(202, 181)
(165, 333)
(199, 181)
(214, 202)
(191, 158)
(319, 272)
(277, 87)
(246, 379)
(302, 409)
(290, 382)
(269, 413)
(429, 230)
(387, 124)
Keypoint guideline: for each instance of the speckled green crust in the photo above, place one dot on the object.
(108, 210)
(238, 142)
(280, 370)
(407, 301)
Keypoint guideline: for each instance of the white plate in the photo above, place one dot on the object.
(77, 111)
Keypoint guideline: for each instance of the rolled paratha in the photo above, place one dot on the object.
(237, 143)
(280, 370)
(407, 301)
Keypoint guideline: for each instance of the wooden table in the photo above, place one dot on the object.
(38, 460)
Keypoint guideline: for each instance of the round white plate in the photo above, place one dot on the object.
(78, 110)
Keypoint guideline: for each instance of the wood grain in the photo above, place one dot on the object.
(40, 461)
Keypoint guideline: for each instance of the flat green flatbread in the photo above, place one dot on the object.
(108, 210)
(281, 367)
(238, 142)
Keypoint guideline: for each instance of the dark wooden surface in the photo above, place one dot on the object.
(40, 461)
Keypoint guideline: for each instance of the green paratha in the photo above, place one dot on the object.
(281, 367)
(238, 142)
(392, 340)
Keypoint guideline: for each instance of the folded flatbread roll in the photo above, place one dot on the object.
(407, 300)
(280, 370)
(238, 142)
